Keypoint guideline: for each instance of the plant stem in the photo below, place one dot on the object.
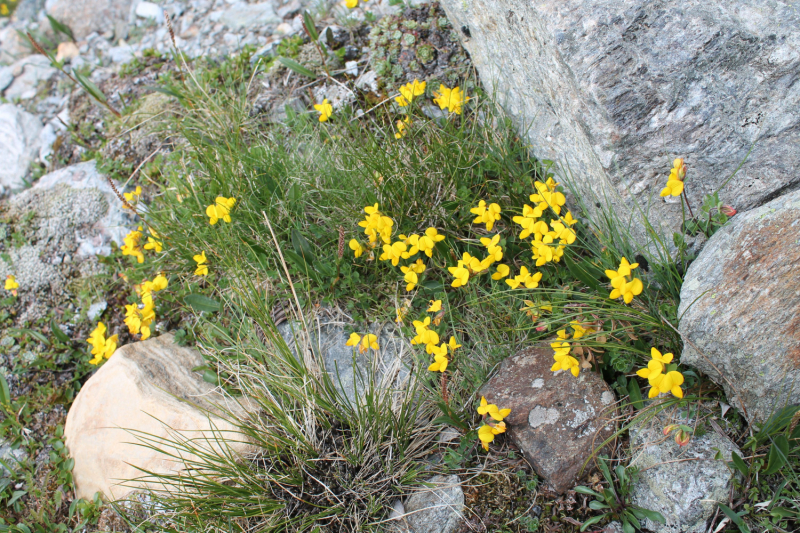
(686, 199)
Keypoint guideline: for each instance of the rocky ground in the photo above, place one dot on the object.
(66, 159)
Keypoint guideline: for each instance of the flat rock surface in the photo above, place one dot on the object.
(683, 484)
(19, 145)
(615, 89)
(740, 308)
(147, 387)
(557, 420)
(28, 72)
(87, 16)
(435, 509)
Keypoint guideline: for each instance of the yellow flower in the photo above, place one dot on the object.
(566, 362)
(4, 11)
(561, 347)
(412, 243)
(663, 359)
(131, 245)
(159, 283)
(220, 209)
(202, 267)
(325, 110)
(568, 220)
(452, 99)
(412, 272)
(502, 272)
(356, 247)
(675, 181)
(131, 196)
(401, 314)
(623, 282)
(460, 273)
(429, 240)
(547, 196)
(486, 214)
(424, 335)
(664, 383)
(11, 284)
(525, 278)
(393, 252)
(152, 243)
(527, 220)
(493, 247)
(439, 363)
(352, 4)
(654, 368)
(354, 339)
(486, 433)
(492, 410)
(402, 130)
(579, 330)
(368, 341)
(102, 347)
(565, 234)
(409, 91)
(436, 306)
(452, 345)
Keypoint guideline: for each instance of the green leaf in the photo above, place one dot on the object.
(16, 495)
(627, 527)
(739, 464)
(59, 27)
(293, 65)
(308, 24)
(302, 247)
(586, 490)
(324, 268)
(5, 394)
(735, 518)
(209, 376)
(782, 512)
(592, 520)
(655, 516)
(36, 335)
(580, 272)
(635, 393)
(778, 454)
(776, 423)
(90, 87)
(596, 505)
(58, 334)
(432, 285)
(202, 303)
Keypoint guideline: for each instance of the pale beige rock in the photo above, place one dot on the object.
(148, 387)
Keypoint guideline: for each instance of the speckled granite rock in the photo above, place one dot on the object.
(435, 509)
(615, 89)
(740, 307)
(683, 484)
(19, 144)
(147, 387)
(556, 419)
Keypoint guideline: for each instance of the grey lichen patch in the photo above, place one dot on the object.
(540, 415)
(607, 398)
(537, 383)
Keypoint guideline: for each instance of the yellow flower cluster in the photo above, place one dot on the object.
(493, 425)
(402, 129)
(564, 361)
(376, 225)
(138, 317)
(486, 214)
(364, 343)
(675, 181)
(220, 209)
(11, 284)
(623, 283)
(412, 273)
(102, 347)
(661, 381)
(152, 242)
(409, 91)
(131, 245)
(525, 278)
(549, 239)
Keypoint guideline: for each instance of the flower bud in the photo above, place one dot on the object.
(670, 428)
(682, 438)
(727, 210)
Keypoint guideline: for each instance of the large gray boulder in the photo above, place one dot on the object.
(19, 145)
(740, 308)
(436, 508)
(684, 484)
(87, 16)
(613, 90)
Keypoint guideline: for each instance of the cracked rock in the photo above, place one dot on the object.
(556, 419)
